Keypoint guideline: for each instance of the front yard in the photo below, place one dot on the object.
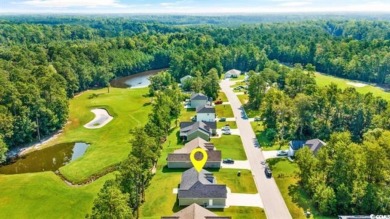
(231, 147)
(224, 110)
(232, 124)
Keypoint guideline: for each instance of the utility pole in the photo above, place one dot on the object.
(39, 135)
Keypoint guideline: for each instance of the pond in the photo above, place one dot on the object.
(138, 80)
(47, 159)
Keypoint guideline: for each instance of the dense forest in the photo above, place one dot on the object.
(46, 60)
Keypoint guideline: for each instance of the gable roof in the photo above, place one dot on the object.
(199, 96)
(197, 142)
(233, 71)
(191, 127)
(313, 144)
(200, 185)
(212, 156)
(195, 211)
(205, 109)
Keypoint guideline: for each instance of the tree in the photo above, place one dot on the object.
(211, 84)
(256, 89)
(111, 203)
(3, 150)
(305, 116)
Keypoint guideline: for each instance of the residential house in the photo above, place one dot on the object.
(234, 73)
(187, 77)
(313, 144)
(205, 113)
(181, 158)
(195, 211)
(201, 188)
(192, 130)
(198, 100)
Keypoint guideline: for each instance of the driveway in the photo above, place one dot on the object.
(272, 200)
(241, 199)
(238, 164)
(232, 131)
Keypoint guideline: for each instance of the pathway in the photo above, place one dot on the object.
(274, 205)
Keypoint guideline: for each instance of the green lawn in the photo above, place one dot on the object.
(110, 144)
(243, 98)
(231, 147)
(222, 96)
(237, 184)
(224, 111)
(323, 80)
(284, 173)
(232, 124)
(239, 78)
(187, 114)
(265, 144)
(45, 195)
(160, 199)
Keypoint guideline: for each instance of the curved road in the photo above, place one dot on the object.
(274, 205)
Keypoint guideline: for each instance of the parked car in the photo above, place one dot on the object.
(282, 153)
(262, 162)
(227, 132)
(218, 102)
(193, 118)
(226, 128)
(228, 160)
(257, 118)
(223, 119)
(268, 172)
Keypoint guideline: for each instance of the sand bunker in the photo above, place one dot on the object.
(356, 84)
(101, 119)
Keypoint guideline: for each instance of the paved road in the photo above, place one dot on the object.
(274, 205)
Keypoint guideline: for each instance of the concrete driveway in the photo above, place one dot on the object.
(242, 199)
(271, 154)
(232, 132)
(238, 164)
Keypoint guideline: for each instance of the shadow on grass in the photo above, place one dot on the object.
(147, 104)
(176, 206)
(191, 109)
(165, 169)
(273, 162)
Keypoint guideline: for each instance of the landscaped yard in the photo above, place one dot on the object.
(284, 173)
(224, 111)
(232, 124)
(231, 147)
(323, 80)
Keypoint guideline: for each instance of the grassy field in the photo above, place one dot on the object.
(187, 114)
(45, 195)
(224, 111)
(109, 144)
(222, 96)
(284, 173)
(241, 212)
(243, 98)
(232, 124)
(323, 80)
(231, 147)
(242, 184)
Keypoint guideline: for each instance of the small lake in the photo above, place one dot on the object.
(47, 159)
(138, 80)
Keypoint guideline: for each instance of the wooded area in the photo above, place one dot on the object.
(45, 61)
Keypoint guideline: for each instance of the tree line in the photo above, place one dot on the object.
(123, 196)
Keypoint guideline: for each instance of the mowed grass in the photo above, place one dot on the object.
(232, 124)
(241, 212)
(110, 144)
(161, 201)
(237, 184)
(222, 96)
(231, 147)
(224, 110)
(45, 195)
(324, 80)
(244, 98)
(297, 201)
(187, 114)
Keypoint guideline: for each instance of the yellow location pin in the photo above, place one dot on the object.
(198, 164)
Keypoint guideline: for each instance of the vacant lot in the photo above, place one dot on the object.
(224, 111)
(231, 147)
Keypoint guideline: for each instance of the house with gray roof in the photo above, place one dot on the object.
(313, 144)
(198, 100)
(201, 188)
(192, 130)
(181, 158)
(205, 113)
(233, 73)
(195, 211)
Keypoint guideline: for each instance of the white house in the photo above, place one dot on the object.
(187, 77)
(198, 100)
(313, 144)
(205, 113)
(234, 73)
